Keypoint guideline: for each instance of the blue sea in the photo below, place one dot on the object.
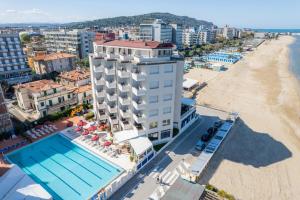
(295, 57)
(278, 30)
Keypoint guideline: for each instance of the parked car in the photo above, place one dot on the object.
(218, 124)
(205, 137)
(200, 145)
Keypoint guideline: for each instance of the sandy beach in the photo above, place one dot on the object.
(261, 157)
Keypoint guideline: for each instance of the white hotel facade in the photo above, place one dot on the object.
(137, 88)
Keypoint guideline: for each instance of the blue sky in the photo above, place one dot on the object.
(239, 13)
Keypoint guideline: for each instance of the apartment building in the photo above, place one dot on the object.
(177, 35)
(202, 36)
(53, 62)
(137, 87)
(44, 97)
(5, 121)
(189, 37)
(75, 78)
(156, 30)
(77, 42)
(13, 67)
(231, 33)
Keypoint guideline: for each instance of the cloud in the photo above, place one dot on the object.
(10, 11)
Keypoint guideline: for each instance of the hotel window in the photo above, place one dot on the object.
(153, 125)
(168, 83)
(154, 70)
(166, 122)
(168, 68)
(50, 102)
(42, 104)
(154, 84)
(165, 134)
(167, 110)
(153, 136)
(153, 99)
(153, 113)
(167, 97)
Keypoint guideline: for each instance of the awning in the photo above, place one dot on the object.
(125, 135)
(188, 101)
(189, 83)
(140, 144)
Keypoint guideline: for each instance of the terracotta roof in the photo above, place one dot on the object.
(136, 44)
(75, 75)
(39, 86)
(83, 88)
(53, 56)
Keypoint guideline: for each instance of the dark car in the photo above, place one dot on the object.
(205, 137)
(218, 124)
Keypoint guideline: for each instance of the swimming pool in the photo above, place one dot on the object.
(64, 169)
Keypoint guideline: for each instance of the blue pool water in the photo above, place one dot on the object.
(64, 169)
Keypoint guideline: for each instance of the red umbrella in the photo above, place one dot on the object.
(81, 123)
(107, 143)
(85, 132)
(95, 138)
(92, 128)
(78, 129)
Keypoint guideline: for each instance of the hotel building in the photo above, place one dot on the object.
(13, 67)
(137, 87)
(77, 42)
(5, 121)
(156, 30)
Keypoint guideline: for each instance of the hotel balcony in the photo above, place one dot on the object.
(124, 100)
(125, 113)
(112, 109)
(110, 71)
(139, 118)
(139, 128)
(140, 91)
(100, 94)
(138, 76)
(123, 74)
(111, 97)
(124, 87)
(111, 84)
(98, 69)
(125, 58)
(125, 125)
(100, 81)
(111, 56)
(99, 55)
(113, 120)
(139, 105)
(101, 116)
(101, 105)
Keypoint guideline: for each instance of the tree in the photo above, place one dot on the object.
(83, 63)
(25, 38)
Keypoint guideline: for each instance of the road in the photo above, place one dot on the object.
(143, 184)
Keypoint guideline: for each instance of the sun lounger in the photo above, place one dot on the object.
(36, 133)
(53, 126)
(40, 131)
(28, 132)
(45, 130)
(49, 128)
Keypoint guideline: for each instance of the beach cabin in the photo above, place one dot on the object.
(141, 151)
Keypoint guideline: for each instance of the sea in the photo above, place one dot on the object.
(295, 57)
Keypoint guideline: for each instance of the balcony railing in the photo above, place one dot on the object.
(139, 91)
(111, 84)
(139, 105)
(124, 87)
(100, 105)
(125, 113)
(124, 100)
(100, 94)
(139, 118)
(113, 120)
(111, 97)
(125, 125)
(100, 81)
(98, 69)
(110, 71)
(138, 76)
(112, 109)
(123, 74)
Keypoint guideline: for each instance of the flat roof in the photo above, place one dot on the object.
(15, 184)
(182, 189)
(140, 144)
(140, 44)
(188, 83)
(123, 136)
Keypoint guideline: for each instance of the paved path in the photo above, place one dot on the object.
(143, 184)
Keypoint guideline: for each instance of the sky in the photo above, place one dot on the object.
(237, 13)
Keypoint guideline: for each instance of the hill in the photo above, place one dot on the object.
(137, 19)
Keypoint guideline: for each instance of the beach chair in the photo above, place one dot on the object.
(28, 132)
(45, 130)
(36, 133)
(40, 131)
(53, 126)
(49, 128)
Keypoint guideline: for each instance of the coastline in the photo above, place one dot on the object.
(260, 158)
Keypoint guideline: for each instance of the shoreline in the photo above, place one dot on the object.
(260, 158)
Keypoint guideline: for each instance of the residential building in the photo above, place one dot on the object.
(77, 42)
(231, 33)
(75, 78)
(156, 30)
(13, 66)
(137, 87)
(44, 97)
(5, 121)
(177, 35)
(189, 37)
(105, 35)
(205, 36)
(84, 94)
(53, 62)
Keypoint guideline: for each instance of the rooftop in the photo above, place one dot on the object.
(136, 44)
(83, 88)
(75, 75)
(53, 56)
(39, 86)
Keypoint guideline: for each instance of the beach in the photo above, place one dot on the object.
(260, 159)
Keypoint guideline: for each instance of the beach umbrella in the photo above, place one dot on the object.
(95, 138)
(81, 123)
(107, 143)
(92, 128)
(85, 132)
(78, 128)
